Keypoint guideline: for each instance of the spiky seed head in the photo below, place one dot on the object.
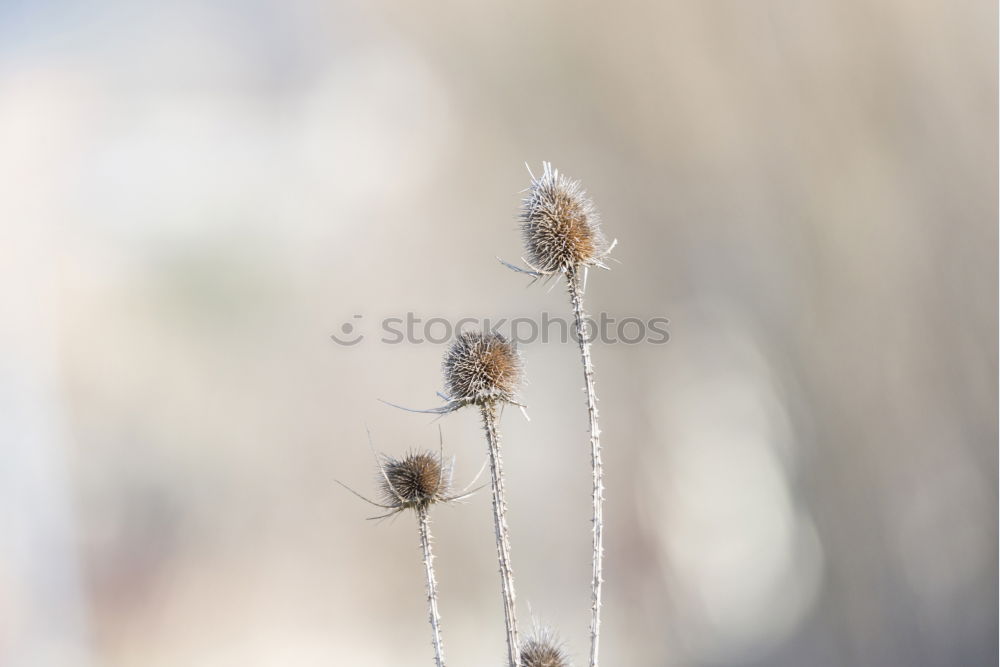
(543, 651)
(559, 223)
(482, 368)
(417, 480)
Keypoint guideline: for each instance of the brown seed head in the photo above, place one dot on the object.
(542, 651)
(559, 224)
(481, 368)
(416, 480)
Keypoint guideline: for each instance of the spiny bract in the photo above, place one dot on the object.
(559, 224)
(416, 480)
(542, 652)
(482, 367)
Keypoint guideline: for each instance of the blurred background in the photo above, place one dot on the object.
(196, 195)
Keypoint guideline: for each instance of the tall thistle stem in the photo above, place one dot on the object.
(424, 521)
(489, 413)
(573, 281)
(561, 231)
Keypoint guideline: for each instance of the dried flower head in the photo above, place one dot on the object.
(481, 368)
(417, 480)
(543, 651)
(559, 224)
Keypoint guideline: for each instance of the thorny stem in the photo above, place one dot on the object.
(573, 280)
(489, 414)
(423, 517)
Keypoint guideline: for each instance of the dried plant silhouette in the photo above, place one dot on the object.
(417, 481)
(484, 369)
(561, 231)
(562, 235)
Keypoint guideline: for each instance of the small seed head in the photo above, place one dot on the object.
(559, 224)
(417, 480)
(542, 651)
(482, 368)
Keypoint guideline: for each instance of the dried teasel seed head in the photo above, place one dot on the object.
(543, 651)
(482, 368)
(559, 224)
(417, 480)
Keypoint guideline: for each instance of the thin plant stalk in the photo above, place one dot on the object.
(489, 413)
(561, 231)
(574, 283)
(418, 481)
(424, 521)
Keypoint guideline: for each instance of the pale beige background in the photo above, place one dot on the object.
(196, 194)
